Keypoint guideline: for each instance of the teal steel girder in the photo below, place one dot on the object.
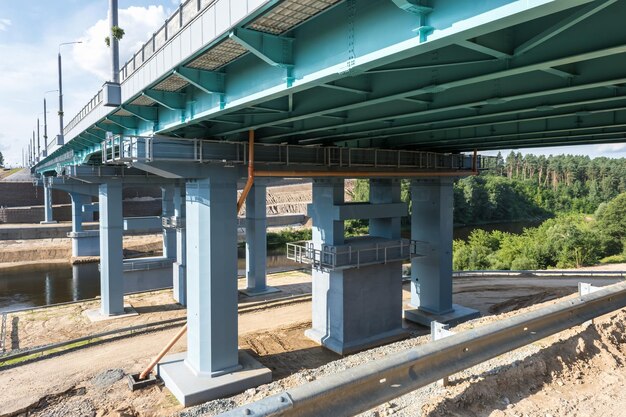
(168, 99)
(125, 122)
(274, 50)
(145, 113)
(361, 73)
(210, 82)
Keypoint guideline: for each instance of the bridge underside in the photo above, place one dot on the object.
(455, 77)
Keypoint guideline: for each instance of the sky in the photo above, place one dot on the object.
(30, 34)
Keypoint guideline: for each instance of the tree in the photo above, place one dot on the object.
(1, 160)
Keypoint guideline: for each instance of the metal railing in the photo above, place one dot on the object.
(540, 273)
(128, 149)
(184, 15)
(137, 264)
(92, 104)
(348, 256)
(363, 387)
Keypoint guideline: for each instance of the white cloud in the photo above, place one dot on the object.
(138, 23)
(4, 25)
(612, 148)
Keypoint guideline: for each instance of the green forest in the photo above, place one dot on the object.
(581, 201)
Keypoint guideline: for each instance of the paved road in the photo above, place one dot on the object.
(20, 176)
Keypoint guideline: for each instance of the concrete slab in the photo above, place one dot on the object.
(48, 222)
(255, 293)
(96, 315)
(358, 345)
(459, 314)
(191, 389)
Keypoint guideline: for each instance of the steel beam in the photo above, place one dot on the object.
(168, 99)
(208, 81)
(563, 25)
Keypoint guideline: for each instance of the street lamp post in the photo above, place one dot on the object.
(60, 138)
(45, 122)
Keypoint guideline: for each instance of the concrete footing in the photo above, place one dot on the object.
(254, 292)
(353, 346)
(459, 314)
(191, 389)
(85, 243)
(96, 315)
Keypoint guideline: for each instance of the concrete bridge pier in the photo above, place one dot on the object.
(212, 367)
(111, 252)
(431, 273)
(84, 243)
(180, 266)
(47, 202)
(357, 304)
(256, 242)
(167, 211)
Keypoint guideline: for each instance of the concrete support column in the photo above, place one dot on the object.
(111, 253)
(169, 235)
(385, 191)
(212, 272)
(326, 230)
(256, 242)
(431, 274)
(87, 214)
(180, 279)
(77, 211)
(84, 243)
(47, 203)
(212, 366)
(358, 305)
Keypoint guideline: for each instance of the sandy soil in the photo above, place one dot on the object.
(540, 379)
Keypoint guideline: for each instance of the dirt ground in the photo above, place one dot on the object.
(577, 372)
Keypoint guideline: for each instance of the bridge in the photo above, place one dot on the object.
(253, 90)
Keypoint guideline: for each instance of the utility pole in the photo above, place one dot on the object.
(38, 141)
(115, 53)
(61, 138)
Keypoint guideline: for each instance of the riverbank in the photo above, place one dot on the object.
(88, 380)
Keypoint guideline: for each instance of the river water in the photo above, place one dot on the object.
(52, 284)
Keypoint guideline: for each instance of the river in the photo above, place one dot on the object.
(51, 284)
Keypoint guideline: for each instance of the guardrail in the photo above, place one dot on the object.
(540, 273)
(92, 104)
(363, 387)
(339, 257)
(127, 149)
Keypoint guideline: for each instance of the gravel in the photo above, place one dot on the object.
(107, 378)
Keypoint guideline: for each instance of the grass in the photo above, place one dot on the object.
(4, 174)
(614, 259)
(47, 352)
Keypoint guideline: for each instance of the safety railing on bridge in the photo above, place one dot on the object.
(92, 104)
(128, 149)
(348, 256)
(186, 12)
